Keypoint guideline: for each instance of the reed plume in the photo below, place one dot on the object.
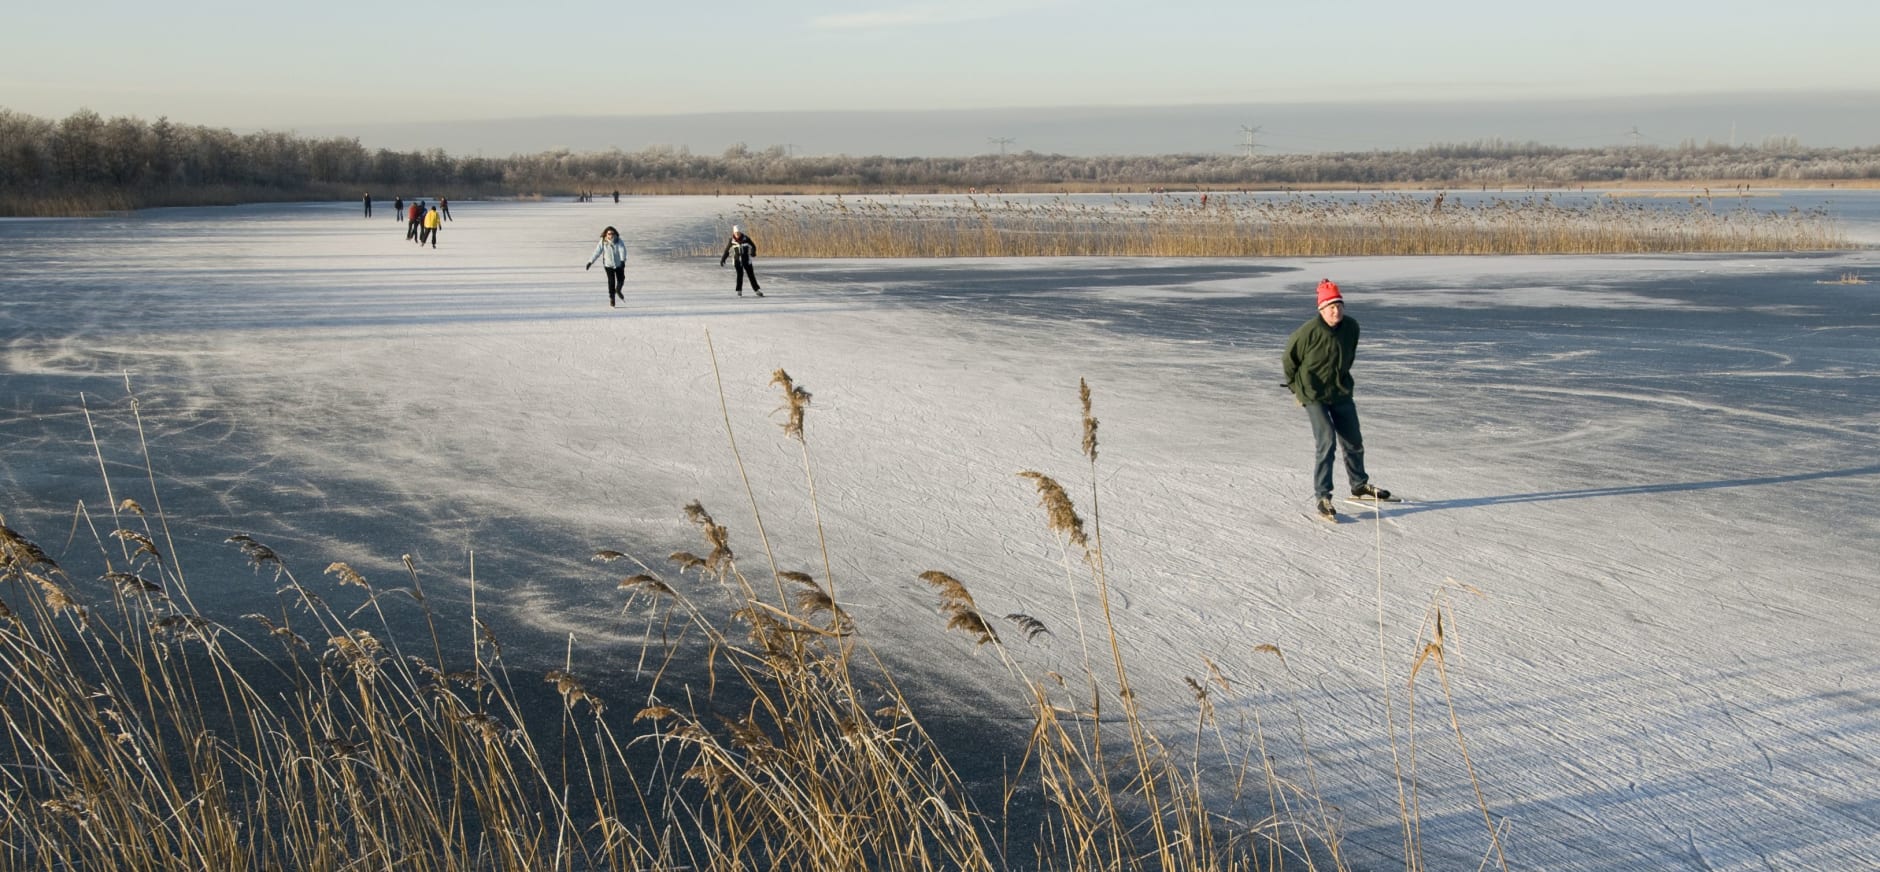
(573, 691)
(645, 582)
(1030, 626)
(795, 399)
(1060, 515)
(957, 604)
(1090, 421)
(347, 575)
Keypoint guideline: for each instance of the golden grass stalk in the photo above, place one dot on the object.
(1061, 516)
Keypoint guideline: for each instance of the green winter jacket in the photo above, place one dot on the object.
(1318, 360)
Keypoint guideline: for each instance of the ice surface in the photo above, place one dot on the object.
(1657, 472)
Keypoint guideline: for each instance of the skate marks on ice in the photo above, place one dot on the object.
(1419, 506)
(1706, 702)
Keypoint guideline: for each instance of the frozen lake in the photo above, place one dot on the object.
(1657, 470)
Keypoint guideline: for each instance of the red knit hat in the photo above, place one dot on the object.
(1328, 293)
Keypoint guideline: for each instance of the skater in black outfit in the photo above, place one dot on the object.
(1317, 365)
(398, 208)
(612, 253)
(745, 250)
(368, 205)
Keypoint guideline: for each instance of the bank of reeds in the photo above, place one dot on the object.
(762, 731)
(102, 199)
(1227, 225)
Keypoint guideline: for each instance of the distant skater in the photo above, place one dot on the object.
(398, 207)
(368, 204)
(612, 253)
(443, 205)
(433, 223)
(1317, 365)
(745, 251)
(616, 196)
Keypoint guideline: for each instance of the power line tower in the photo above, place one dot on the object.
(1635, 135)
(1001, 142)
(1247, 135)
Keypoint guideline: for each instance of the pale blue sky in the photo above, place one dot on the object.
(256, 64)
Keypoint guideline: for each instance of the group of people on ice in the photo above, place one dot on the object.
(1316, 363)
(611, 254)
(422, 222)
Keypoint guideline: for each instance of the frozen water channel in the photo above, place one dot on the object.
(1654, 474)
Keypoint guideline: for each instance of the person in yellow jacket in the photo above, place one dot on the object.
(433, 221)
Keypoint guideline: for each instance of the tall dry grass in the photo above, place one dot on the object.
(1294, 226)
(764, 729)
(91, 201)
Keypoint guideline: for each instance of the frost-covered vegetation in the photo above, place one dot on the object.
(87, 162)
(1298, 225)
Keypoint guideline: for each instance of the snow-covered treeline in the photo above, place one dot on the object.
(87, 160)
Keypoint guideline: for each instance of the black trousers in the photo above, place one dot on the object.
(616, 283)
(743, 268)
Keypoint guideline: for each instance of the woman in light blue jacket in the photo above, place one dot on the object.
(612, 253)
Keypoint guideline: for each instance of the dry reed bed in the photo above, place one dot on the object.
(144, 733)
(92, 202)
(1294, 226)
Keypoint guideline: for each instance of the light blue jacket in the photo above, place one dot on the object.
(614, 255)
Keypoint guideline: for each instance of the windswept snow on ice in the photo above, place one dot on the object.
(1643, 483)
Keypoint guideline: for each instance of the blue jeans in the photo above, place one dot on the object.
(1335, 425)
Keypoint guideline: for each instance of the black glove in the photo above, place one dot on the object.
(590, 265)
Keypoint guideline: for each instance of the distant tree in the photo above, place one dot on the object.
(78, 149)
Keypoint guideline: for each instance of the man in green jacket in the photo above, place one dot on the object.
(1318, 370)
